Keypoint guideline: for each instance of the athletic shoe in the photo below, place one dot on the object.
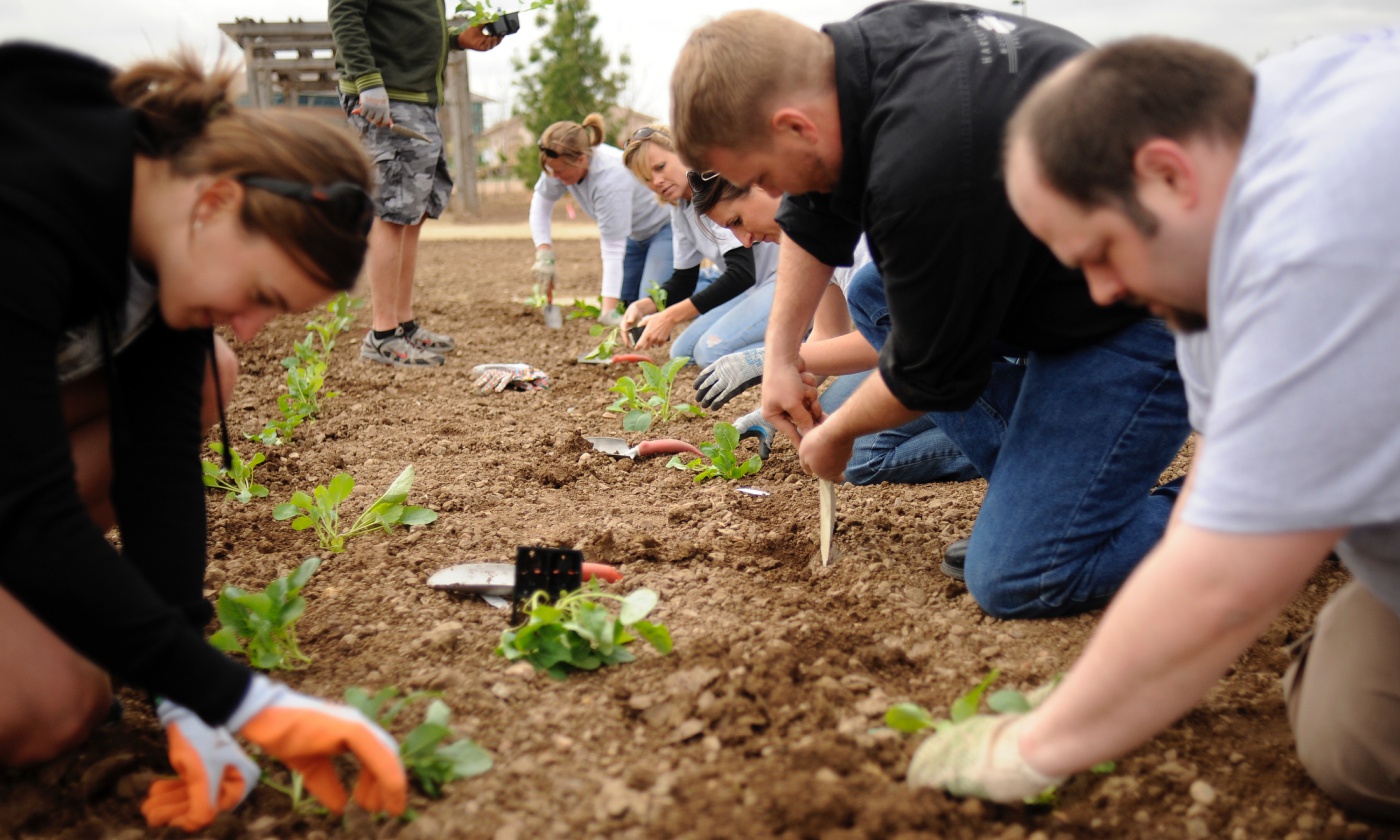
(396, 350)
(954, 559)
(428, 340)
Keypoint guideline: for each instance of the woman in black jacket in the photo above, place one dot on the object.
(139, 210)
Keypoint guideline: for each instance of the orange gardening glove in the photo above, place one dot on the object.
(304, 733)
(213, 772)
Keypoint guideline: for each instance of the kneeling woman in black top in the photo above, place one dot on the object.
(139, 210)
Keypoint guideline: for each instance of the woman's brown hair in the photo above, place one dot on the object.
(571, 140)
(190, 121)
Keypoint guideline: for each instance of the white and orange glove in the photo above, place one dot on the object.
(304, 733)
(214, 773)
(980, 756)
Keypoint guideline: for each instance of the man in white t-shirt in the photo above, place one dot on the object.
(1260, 214)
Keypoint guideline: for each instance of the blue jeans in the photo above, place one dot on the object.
(732, 327)
(1072, 444)
(646, 263)
(914, 453)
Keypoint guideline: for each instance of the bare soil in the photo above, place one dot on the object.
(764, 721)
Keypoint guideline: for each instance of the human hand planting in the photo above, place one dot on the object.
(728, 377)
(752, 425)
(213, 773)
(305, 733)
(979, 756)
(543, 270)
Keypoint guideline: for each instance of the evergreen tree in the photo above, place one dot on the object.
(566, 77)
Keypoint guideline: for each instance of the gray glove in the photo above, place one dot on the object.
(543, 270)
(752, 425)
(729, 377)
(374, 106)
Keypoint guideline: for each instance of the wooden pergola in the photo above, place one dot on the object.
(292, 65)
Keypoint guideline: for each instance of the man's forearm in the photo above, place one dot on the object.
(872, 408)
(802, 279)
(1193, 606)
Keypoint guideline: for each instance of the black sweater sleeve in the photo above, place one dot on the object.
(134, 622)
(681, 285)
(738, 275)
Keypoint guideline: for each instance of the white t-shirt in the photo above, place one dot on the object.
(843, 273)
(1295, 386)
(622, 206)
(695, 238)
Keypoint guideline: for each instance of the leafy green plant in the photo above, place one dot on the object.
(262, 625)
(304, 352)
(658, 297)
(238, 478)
(608, 345)
(583, 309)
(723, 461)
(304, 386)
(910, 718)
(431, 761)
(320, 510)
(340, 314)
(302, 802)
(484, 11)
(651, 399)
(537, 299)
(577, 632)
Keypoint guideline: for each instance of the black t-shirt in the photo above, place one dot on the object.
(925, 91)
(66, 155)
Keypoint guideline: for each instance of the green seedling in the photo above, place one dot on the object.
(608, 345)
(340, 314)
(583, 309)
(650, 400)
(537, 299)
(304, 352)
(432, 762)
(304, 385)
(723, 460)
(910, 718)
(578, 633)
(277, 432)
(303, 803)
(658, 297)
(237, 479)
(262, 625)
(320, 510)
(484, 11)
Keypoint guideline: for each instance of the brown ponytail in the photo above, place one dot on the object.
(190, 121)
(593, 124)
(571, 140)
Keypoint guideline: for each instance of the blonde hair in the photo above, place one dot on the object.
(639, 163)
(572, 140)
(732, 70)
(189, 120)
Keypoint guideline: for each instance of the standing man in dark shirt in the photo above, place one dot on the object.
(891, 123)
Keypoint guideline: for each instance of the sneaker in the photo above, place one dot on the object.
(428, 340)
(396, 350)
(954, 559)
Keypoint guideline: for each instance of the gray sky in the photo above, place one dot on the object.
(654, 30)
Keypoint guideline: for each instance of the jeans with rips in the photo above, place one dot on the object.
(732, 327)
(646, 263)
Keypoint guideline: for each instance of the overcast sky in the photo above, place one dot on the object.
(653, 31)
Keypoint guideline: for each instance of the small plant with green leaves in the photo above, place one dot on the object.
(432, 762)
(578, 633)
(537, 299)
(723, 460)
(910, 718)
(658, 296)
(320, 510)
(340, 314)
(304, 352)
(277, 432)
(650, 400)
(304, 389)
(484, 11)
(303, 803)
(583, 309)
(238, 478)
(262, 625)
(608, 345)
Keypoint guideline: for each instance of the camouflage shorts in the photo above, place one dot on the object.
(412, 175)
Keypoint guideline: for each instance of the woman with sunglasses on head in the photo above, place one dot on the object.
(634, 233)
(729, 314)
(914, 453)
(140, 210)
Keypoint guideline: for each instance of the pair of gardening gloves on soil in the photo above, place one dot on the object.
(304, 733)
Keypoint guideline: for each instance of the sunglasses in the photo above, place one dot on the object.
(701, 181)
(550, 153)
(646, 131)
(345, 205)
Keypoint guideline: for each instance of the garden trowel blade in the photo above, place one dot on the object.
(553, 316)
(828, 516)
